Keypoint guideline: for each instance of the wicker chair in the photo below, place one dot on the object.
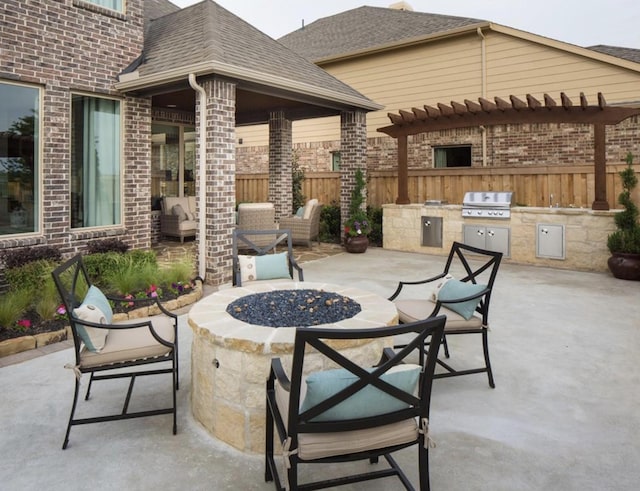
(305, 228)
(257, 216)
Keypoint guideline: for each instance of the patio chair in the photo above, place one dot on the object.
(263, 261)
(465, 302)
(257, 216)
(103, 347)
(305, 227)
(350, 413)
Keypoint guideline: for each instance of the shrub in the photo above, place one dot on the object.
(12, 306)
(176, 273)
(15, 258)
(297, 176)
(330, 223)
(375, 221)
(107, 245)
(29, 276)
(47, 300)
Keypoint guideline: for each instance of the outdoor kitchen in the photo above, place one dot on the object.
(566, 238)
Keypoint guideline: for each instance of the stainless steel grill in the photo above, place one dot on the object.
(487, 204)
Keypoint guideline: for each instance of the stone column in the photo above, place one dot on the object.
(280, 162)
(220, 170)
(353, 156)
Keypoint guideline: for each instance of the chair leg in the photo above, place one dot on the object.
(446, 346)
(423, 470)
(268, 446)
(485, 348)
(73, 410)
(175, 389)
(86, 397)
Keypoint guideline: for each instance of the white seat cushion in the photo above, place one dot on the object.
(413, 310)
(131, 344)
(313, 446)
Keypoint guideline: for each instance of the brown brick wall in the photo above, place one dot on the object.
(69, 46)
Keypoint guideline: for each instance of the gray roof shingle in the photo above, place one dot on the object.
(630, 54)
(366, 28)
(157, 8)
(207, 32)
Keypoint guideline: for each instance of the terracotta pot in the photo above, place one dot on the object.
(625, 266)
(357, 244)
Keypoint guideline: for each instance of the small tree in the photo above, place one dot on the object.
(627, 238)
(297, 176)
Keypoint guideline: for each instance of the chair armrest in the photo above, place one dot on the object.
(401, 284)
(278, 373)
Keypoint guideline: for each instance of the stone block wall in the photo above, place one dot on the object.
(586, 233)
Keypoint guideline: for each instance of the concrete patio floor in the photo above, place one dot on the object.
(563, 416)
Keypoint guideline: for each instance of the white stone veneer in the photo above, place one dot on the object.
(230, 359)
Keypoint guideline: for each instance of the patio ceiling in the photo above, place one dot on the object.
(514, 111)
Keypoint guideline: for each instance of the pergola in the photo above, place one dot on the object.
(515, 111)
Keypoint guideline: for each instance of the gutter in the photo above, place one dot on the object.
(202, 177)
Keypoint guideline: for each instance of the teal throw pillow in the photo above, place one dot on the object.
(272, 266)
(367, 402)
(300, 212)
(454, 289)
(96, 297)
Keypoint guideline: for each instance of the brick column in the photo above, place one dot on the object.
(353, 156)
(220, 169)
(280, 160)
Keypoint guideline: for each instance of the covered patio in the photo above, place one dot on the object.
(563, 415)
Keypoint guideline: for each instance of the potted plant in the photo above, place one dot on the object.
(357, 227)
(624, 243)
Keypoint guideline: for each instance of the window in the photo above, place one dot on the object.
(110, 4)
(452, 156)
(19, 158)
(173, 161)
(335, 161)
(95, 162)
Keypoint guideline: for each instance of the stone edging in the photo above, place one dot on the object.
(24, 343)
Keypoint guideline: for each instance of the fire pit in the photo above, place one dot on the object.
(230, 357)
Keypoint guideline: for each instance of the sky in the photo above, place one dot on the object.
(581, 22)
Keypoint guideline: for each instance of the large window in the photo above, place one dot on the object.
(173, 160)
(19, 160)
(110, 4)
(95, 162)
(452, 156)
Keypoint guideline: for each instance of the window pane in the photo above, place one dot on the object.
(95, 162)
(453, 156)
(19, 160)
(110, 4)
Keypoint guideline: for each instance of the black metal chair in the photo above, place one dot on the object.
(351, 413)
(262, 261)
(465, 302)
(103, 347)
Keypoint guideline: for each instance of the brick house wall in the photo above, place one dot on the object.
(73, 46)
(507, 146)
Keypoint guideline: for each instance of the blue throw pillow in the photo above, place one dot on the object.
(453, 289)
(367, 402)
(300, 212)
(96, 297)
(272, 266)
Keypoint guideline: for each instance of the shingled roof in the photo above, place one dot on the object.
(624, 53)
(367, 28)
(157, 8)
(206, 39)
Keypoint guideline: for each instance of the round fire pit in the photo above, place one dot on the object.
(230, 357)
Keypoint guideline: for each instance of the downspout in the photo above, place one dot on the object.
(483, 76)
(202, 178)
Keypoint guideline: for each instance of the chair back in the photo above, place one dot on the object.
(251, 242)
(72, 281)
(314, 229)
(475, 265)
(327, 342)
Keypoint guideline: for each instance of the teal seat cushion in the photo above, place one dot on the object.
(367, 402)
(454, 289)
(272, 266)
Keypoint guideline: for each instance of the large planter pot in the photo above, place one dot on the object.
(625, 266)
(356, 244)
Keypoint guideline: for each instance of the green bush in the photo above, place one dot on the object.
(374, 215)
(13, 306)
(47, 301)
(179, 272)
(29, 276)
(330, 223)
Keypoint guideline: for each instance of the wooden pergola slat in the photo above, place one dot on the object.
(514, 111)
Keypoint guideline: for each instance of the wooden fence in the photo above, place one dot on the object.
(532, 186)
